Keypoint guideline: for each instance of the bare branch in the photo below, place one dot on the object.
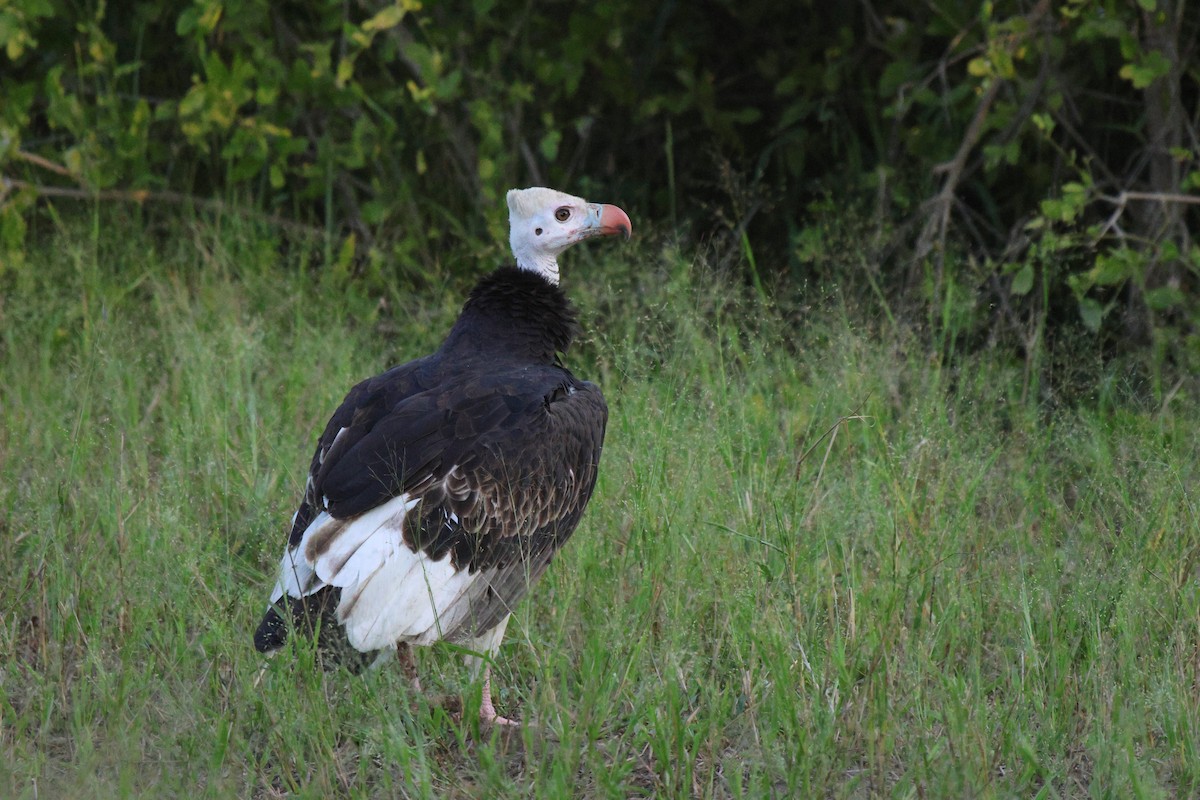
(1121, 200)
(1161, 197)
(939, 207)
(531, 164)
(44, 163)
(143, 196)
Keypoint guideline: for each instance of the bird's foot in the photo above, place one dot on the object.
(487, 711)
(488, 716)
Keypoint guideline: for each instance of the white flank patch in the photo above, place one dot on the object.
(296, 577)
(389, 593)
(411, 598)
(361, 546)
(299, 576)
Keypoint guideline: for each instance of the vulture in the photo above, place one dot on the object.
(441, 489)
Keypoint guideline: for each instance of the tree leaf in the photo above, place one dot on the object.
(1113, 268)
(1023, 280)
(1164, 297)
(387, 18)
(1091, 313)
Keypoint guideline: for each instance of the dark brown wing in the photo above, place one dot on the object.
(364, 407)
(503, 462)
(516, 495)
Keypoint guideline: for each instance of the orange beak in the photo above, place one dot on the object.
(606, 220)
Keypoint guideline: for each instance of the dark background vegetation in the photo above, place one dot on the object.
(1007, 174)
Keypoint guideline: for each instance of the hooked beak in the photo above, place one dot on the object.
(605, 220)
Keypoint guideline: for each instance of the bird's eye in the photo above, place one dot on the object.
(563, 214)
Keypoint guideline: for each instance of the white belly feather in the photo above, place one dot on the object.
(389, 593)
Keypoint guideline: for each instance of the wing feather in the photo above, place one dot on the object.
(432, 505)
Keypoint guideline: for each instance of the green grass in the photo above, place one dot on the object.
(949, 595)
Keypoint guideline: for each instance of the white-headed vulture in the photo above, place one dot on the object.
(441, 488)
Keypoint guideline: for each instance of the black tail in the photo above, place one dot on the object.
(272, 631)
(314, 616)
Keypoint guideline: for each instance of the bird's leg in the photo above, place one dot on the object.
(408, 664)
(487, 711)
(489, 644)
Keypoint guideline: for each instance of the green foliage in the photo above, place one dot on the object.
(1032, 139)
(18, 21)
(1056, 173)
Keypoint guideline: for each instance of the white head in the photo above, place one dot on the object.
(543, 222)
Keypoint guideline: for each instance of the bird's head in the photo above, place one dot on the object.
(544, 222)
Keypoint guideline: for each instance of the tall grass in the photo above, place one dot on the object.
(817, 564)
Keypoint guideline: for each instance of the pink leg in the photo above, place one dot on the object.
(487, 711)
